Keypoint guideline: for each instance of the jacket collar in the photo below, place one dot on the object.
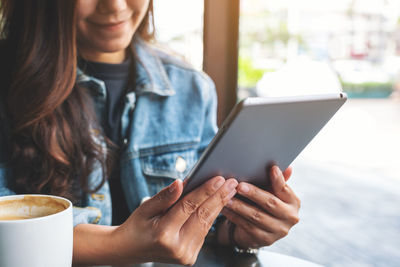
(151, 76)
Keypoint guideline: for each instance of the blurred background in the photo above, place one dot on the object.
(348, 177)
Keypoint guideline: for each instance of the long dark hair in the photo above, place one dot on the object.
(52, 145)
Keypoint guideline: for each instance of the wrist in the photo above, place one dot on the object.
(93, 244)
(124, 251)
(226, 234)
(236, 247)
(116, 246)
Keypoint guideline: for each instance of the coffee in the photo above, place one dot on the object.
(30, 207)
(13, 218)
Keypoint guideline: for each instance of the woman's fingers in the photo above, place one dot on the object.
(277, 180)
(280, 188)
(264, 199)
(263, 220)
(269, 217)
(287, 173)
(194, 231)
(202, 220)
(162, 201)
(251, 235)
(198, 221)
(185, 207)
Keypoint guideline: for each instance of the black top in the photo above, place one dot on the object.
(116, 79)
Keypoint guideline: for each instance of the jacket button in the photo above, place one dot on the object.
(125, 141)
(180, 164)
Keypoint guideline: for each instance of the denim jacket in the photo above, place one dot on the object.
(167, 121)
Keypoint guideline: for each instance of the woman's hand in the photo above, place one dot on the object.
(165, 229)
(268, 221)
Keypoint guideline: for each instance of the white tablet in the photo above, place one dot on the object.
(260, 132)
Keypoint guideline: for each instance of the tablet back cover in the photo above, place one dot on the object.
(262, 132)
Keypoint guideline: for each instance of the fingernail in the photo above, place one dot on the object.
(232, 184)
(244, 188)
(230, 202)
(172, 187)
(220, 181)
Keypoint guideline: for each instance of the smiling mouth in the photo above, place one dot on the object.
(111, 25)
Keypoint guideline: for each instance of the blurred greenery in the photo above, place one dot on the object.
(368, 89)
(267, 34)
(248, 74)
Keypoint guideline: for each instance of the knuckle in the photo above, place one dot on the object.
(256, 217)
(222, 197)
(223, 194)
(286, 189)
(163, 241)
(283, 231)
(155, 223)
(188, 206)
(209, 190)
(204, 215)
(294, 219)
(298, 201)
(271, 203)
(268, 241)
(185, 260)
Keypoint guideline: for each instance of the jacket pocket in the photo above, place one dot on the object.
(85, 215)
(161, 169)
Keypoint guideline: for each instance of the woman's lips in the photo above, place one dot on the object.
(112, 26)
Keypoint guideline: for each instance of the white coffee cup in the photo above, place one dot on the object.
(45, 239)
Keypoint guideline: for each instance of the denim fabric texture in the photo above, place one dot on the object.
(168, 119)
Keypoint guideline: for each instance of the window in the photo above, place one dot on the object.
(321, 45)
(348, 177)
(179, 26)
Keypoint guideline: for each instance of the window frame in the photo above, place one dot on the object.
(221, 50)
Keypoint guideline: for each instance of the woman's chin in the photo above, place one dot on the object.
(112, 46)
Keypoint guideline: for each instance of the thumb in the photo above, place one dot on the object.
(162, 201)
(278, 182)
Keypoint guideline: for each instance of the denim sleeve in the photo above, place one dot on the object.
(88, 214)
(96, 208)
(4, 170)
(4, 190)
(80, 214)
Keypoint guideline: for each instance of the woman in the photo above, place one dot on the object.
(91, 111)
